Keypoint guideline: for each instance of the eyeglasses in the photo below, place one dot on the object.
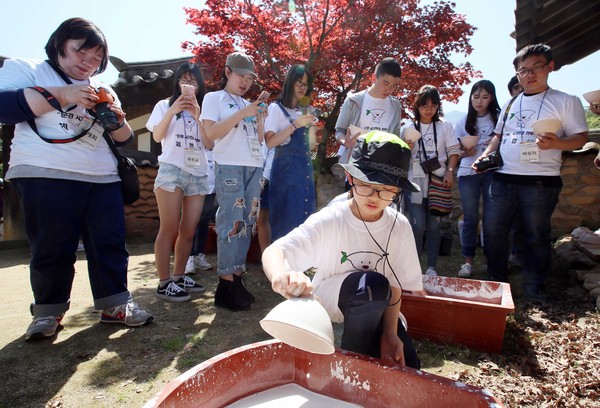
(366, 191)
(522, 73)
(186, 82)
(301, 84)
(429, 107)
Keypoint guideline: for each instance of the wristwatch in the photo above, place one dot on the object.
(450, 169)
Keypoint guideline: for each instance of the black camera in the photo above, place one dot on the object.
(108, 119)
(491, 162)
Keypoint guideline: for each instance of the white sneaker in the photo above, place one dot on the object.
(465, 271)
(190, 266)
(431, 271)
(202, 263)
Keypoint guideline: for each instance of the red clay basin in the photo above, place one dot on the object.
(460, 311)
(344, 376)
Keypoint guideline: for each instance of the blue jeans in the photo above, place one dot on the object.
(535, 204)
(471, 188)
(425, 224)
(57, 213)
(238, 194)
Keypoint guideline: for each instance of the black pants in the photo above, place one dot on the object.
(364, 297)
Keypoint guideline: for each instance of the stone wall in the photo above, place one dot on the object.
(579, 201)
(141, 217)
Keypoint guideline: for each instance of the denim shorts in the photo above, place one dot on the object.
(170, 177)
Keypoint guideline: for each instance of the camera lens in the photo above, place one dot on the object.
(108, 119)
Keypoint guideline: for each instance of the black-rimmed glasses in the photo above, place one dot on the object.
(367, 191)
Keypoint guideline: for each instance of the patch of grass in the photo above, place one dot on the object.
(172, 344)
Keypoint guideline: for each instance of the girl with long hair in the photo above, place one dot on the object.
(436, 152)
(480, 120)
(181, 182)
(291, 185)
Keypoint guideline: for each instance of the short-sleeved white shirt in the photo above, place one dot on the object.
(525, 110)
(277, 119)
(63, 160)
(376, 113)
(182, 142)
(336, 243)
(233, 148)
(485, 130)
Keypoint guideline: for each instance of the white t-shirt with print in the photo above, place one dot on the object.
(182, 145)
(277, 119)
(485, 130)
(336, 243)
(233, 148)
(376, 113)
(550, 104)
(447, 144)
(93, 159)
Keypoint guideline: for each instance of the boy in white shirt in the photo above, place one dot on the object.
(364, 253)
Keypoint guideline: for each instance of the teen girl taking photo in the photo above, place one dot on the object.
(237, 128)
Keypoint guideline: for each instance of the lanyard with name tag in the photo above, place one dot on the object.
(94, 134)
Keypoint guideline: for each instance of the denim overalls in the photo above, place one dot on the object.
(291, 186)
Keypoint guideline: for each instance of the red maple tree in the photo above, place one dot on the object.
(340, 42)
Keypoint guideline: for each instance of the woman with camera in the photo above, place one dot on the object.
(436, 147)
(480, 121)
(66, 176)
(181, 182)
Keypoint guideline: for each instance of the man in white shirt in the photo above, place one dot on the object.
(529, 180)
(375, 108)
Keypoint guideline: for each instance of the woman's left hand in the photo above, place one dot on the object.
(448, 179)
(392, 349)
(119, 112)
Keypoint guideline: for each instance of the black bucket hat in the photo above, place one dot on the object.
(381, 158)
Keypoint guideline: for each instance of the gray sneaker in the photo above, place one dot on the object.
(202, 263)
(129, 314)
(43, 327)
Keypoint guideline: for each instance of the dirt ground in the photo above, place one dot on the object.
(551, 357)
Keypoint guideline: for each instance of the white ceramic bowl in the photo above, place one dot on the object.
(302, 323)
(469, 141)
(411, 134)
(592, 97)
(546, 126)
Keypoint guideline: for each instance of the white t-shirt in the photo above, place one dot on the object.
(336, 243)
(525, 110)
(268, 153)
(210, 166)
(88, 159)
(376, 113)
(485, 130)
(277, 120)
(447, 145)
(233, 148)
(182, 145)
